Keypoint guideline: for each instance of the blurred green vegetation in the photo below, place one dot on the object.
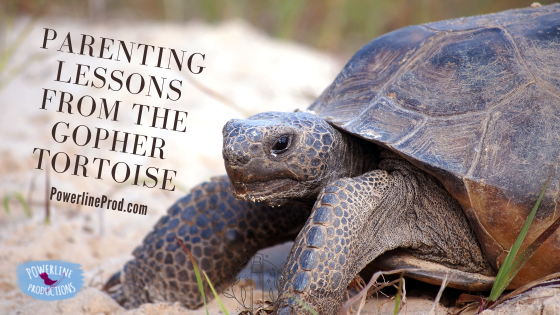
(336, 25)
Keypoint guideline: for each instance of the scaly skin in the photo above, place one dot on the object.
(363, 201)
(362, 209)
(219, 230)
(357, 219)
(316, 155)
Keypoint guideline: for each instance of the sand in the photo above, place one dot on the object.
(246, 72)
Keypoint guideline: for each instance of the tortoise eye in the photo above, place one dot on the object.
(281, 145)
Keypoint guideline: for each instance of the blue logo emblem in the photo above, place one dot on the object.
(50, 280)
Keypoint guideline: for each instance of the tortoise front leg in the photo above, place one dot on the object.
(334, 245)
(357, 219)
(218, 229)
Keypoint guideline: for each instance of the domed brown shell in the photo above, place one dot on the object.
(475, 102)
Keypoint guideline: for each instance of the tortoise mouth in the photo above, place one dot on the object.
(263, 190)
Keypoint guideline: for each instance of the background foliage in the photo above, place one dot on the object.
(340, 26)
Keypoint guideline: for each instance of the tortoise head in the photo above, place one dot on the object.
(275, 156)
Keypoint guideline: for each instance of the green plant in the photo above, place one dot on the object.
(307, 307)
(375, 287)
(199, 279)
(511, 265)
(18, 197)
(506, 273)
(398, 299)
(215, 294)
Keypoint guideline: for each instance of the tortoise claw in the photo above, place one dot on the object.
(113, 281)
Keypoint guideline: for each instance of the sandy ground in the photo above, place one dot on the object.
(247, 73)
(248, 70)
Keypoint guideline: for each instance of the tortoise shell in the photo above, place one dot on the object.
(476, 103)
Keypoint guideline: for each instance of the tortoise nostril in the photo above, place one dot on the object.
(235, 157)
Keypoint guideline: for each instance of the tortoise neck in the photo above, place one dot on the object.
(359, 155)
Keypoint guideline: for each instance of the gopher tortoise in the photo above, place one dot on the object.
(428, 151)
